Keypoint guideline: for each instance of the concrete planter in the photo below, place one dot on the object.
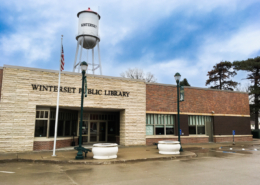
(105, 150)
(169, 147)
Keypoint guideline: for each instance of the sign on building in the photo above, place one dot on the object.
(181, 93)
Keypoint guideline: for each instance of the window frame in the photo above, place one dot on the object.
(197, 120)
(43, 118)
(157, 119)
(64, 116)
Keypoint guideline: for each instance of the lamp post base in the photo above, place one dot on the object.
(79, 155)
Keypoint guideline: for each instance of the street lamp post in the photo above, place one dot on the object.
(84, 67)
(177, 77)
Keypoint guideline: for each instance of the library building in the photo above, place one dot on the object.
(116, 110)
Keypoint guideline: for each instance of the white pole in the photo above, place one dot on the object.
(76, 56)
(57, 107)
(80, 53)
(99, 59)
(93, 61)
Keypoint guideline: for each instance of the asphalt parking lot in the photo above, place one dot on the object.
(222, 165)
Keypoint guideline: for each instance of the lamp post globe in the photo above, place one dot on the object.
(84, 66)
(177, 77)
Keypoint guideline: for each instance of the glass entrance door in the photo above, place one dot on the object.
(93, 131)
(102, 131)
(85, 131)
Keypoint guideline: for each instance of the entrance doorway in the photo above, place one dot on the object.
(209, 130)
(98, 127)
(94, 131)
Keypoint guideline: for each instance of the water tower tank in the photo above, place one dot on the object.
(88, 28)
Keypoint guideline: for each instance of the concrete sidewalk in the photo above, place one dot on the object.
(125, 154)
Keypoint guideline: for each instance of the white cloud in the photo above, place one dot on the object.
(37, 26)
(243, 44)
(34, 46)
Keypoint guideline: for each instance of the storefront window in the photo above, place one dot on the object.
(160, 124)
(67, 128)
(41, 123)
(51, 128)
(67, 124)
(197, 124)
(41, 128)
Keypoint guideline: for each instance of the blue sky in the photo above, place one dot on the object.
(162, 37)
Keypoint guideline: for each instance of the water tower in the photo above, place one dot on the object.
(87, 38)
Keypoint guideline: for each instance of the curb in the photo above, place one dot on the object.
(97, 162)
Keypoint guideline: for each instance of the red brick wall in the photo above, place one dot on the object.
(163, 98)
(195, 140)
(223, 125)
(230, 139)
(1, 80)
(151, 141)
(184, 126)
(48, 145)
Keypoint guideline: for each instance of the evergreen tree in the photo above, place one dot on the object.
(252, 66)
(220, 76)
(184, 82)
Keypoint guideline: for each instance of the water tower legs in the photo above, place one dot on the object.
(80, 51)
(76, 56)
(93, 61)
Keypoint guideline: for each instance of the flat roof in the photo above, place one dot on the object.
(71, 73)
(200, 88)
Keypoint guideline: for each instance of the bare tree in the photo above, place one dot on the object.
(138, 74)
(242, 88)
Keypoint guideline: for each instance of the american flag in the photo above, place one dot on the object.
(62, 63)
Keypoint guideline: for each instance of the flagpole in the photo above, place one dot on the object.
(57, 107)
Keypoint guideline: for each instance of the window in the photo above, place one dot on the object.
(42, 114)
(197, 124)
(41, 123)
(41, 128)
(67, 124)
(51, 128)
(110, 117)
(160, 124)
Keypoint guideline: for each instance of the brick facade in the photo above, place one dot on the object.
(183, 125)
(197, 100)
(223, 125)
(220, 139)
(184, 140)
(48, 145)
(231, 111)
